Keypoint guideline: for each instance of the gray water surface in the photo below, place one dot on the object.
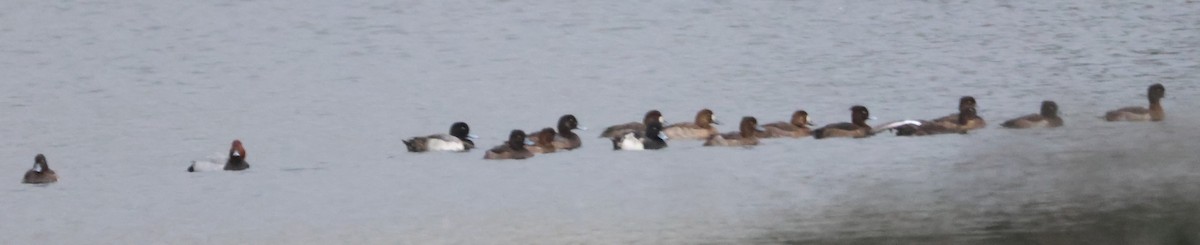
(122, 95)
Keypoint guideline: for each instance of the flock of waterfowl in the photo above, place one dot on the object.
(652, 134)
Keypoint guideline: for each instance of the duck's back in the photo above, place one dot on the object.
(783, 129)
(973, 123)
(689, 131)
(844, 129)
(216, 162)
(1133, 113)
(503, 152)
(622, 129)
(43, 177)
(437, 142)
(568, 142)
(1033, 121)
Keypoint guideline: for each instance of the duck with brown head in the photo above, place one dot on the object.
(514, 148)
(1140, 114)
(747, 135)
(953, 120)
(458, 140)
(797, 128)
(651, 139)
(236, 161)
(856, 128)
(40, 173)
(633, 127)
(543, 142)
(701, 129)
(1048, 118)
(237, 157)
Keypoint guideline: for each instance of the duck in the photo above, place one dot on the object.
(633, 127)
(1140, 114)
(651, 139)
(746, 136)
(1048, 118)
(566, 139)
(543, 142)
(40, 173)
(797, 128)
(514, 148)
(923, 127)
(236, 161)
(856, 128)
(972, 123)
(459, 140)
(701, 129)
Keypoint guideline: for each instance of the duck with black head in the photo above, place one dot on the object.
(747, 135)
(651, 139)
(1047, 118)
(543, 142)
(566, 139)
(1141, 114)
(923, 128)
(633, 127)
(700, 129)
(953, 121)
(856, 128)
(514, 148)
(458, 140)
(797, 128)
(236, 161)
(40, 173)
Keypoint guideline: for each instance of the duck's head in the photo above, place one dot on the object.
(1049, 109)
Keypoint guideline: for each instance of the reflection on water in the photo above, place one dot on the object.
(1141, 189)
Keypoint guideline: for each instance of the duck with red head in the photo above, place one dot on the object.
(543, 142)
(235, 161)
(701, 129)
(797, 128)
(1048, 118)
(1141, 114)
(633, 127)
(40, 173)
(747, 135)
(514, 148)
(856, 128)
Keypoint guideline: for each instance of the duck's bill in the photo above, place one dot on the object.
(581, 128)
(472, 136)
(663, 136)
(528, 142)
